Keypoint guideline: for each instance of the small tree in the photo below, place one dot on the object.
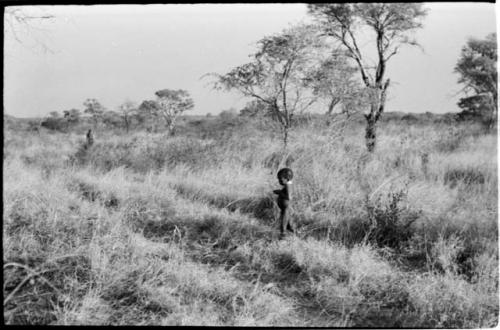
(148, 110)
(391, 23)
(276, 76)
(172, 103)
(477, 67)
(72, 117)
(127, 111)
(95, 109)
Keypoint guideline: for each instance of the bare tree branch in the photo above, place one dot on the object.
(19, 18)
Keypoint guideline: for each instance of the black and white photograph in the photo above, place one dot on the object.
(295, 165)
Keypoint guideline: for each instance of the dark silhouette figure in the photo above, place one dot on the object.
(285, 176)
(90, 139)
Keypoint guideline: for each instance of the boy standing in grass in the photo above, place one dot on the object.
(285, 176)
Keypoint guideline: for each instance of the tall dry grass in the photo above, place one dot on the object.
(150, 229)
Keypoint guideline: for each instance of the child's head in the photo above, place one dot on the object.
(285, 175)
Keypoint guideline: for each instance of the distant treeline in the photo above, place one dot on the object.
(229, 119)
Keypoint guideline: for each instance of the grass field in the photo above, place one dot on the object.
(147, 229)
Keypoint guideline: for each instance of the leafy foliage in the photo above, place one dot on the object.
(278, 72)
(392, 223)
(111, 119)
(72, 116)
(169, 104)
(392, 23)
(95, 109)
(128, 110)
(477, 67)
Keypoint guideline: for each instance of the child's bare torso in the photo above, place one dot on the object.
(283, 196)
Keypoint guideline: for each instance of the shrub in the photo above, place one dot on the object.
(391, 224)
(55, 124)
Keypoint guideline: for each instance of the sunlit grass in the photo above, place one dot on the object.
(148, 229)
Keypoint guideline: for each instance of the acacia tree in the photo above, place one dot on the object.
(95, 109)
(169, 104)
(127, 111)
(276, 75)
(477, 67)
(72, 117)
(149, 109)
(172, 103)
(392, 24)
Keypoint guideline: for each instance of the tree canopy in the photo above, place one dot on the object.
(392, 25)
(391, 22)
(477, 67)
(128, 110)
(173, 102)
(95, 109)
(276, 76)
(72, 116)
(169, 104)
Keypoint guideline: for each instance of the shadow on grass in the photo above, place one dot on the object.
(32, 293)
(91, 193)
(261, 208)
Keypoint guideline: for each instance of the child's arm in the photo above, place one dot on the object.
(277, 192)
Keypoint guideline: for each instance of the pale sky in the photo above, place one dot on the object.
(127, 52)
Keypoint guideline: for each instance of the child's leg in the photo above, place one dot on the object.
(284, 220)
(291, 224)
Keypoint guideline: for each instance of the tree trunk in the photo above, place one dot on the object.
(171, 130)
(285, 137)
(494, 107)
(371, 133)
(493, 120)
(376, 108)
(371, 124)
(332, 105)
(126, 125)
(171, 126)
